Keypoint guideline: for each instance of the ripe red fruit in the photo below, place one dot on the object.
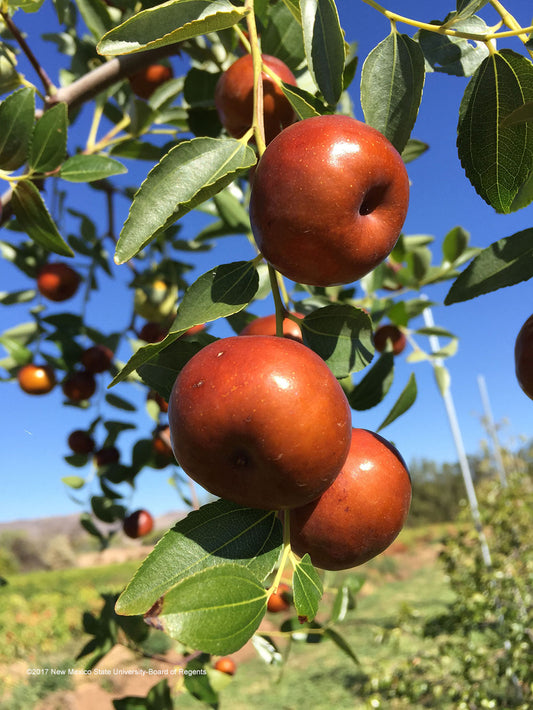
(279, 600)
(163, 453)
(36, 379)
(57, 281)
(260, 421)
(329, 198)
(152, 332)
(138, 524)
(107, 456)
(392, 333)
(363, 510)
(234, 97)
(144, 82)
(523, 357)
(267, 326)
(79, 386)
(226, 665)
(81, 442)
(97, 358)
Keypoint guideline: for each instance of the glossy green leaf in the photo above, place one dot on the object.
(305, 104)
(374, 385)
(187, 175)
(392, 80)
(403, 403)
(160, 372)
(35, 220)
(16, 118)
(454, 55)
(216, 610)
(198, 683)
(49, 143)
(214, 535)
(324, 46)
(307, 589)
(169, 23)
(282, 37)
(87, 168)
(95, 16)
(342, 336)
(496, 158)
(120, 403)
(26, 5)
(504, 263)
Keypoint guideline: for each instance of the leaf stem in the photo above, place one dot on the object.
(512, 23)
(280, 308)
(43, 76)
(284, 555)
(258, 117)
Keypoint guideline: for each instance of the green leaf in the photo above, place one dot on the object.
(170, 23)
(307, 589)
(455, 243)
(187, 175)
(216, 610)
(402, 404)
(198, 683)
(160, 372)
(87, 168)
(9, 299)
(73, 481)
(220, 292)
(305, 104)
(466, 8)
(158, 698)
(504, 263)
(374, 385)
(282, 37)
(35, 220)
(214, 535)
(16, 118)
(324, 46)
(413, 150)
(496, 158)
(342, 336)
(49, 143)
(95, 16)
(454, 55)
(342, 603)
(392, 80)
(120, 403)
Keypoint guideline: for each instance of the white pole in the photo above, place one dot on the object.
(459, 445)
(491, 428)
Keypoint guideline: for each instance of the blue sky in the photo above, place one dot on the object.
(35, 429)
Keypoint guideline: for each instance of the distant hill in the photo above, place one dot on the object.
(69, 525)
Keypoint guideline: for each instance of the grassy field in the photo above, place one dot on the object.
(40, 625)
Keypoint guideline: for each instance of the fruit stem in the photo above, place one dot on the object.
(284, 555)
(280, 308)
(258, 122)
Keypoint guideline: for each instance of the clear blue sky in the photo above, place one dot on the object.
(35, 429)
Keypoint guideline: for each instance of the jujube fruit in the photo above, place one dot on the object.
(329, 199)
(106, 456)
(97, 358)
(159, 400)
(57, 281)
(260, 421)
(266, 325)
(226, 665)
(144, 82)
(389, 333)
(523, 357)
(363, 510)
(152, 332)
(36, 379)
(279, 600)
(79, 386)
(138, 524)
(234, 97)
(80, 442)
